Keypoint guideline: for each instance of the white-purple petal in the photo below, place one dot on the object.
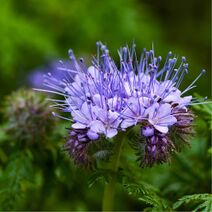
(78, 126)
(78, 116)
(164, 110)
(111, 133)
(168, 120)
(97, 126)
(128, 123)
(161, 129)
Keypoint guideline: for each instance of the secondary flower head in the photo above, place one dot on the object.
(28, 117)
(106, 98)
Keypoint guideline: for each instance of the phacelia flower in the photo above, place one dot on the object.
(160, 117)
(106, 98)
(28, 117)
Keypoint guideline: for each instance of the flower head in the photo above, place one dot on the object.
(104, 98)
(28, 117)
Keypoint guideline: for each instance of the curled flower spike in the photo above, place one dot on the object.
(104, 99)
(77, 146)
(157, 149)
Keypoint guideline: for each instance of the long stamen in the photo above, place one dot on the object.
(191, 85)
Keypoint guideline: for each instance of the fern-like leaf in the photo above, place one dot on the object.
(148, 194)
(205, 201)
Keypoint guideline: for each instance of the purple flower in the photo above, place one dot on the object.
(160, 116)
(107, 122)
(104, 99)
(134, 112)
(85, 119)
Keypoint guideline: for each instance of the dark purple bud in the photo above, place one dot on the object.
(77, 145)
(158, 150)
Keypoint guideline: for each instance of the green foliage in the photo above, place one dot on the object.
(204, 202)
(147, 194)
(27, 147)
(20, 35)
(15, 181)
(100, 175)
(204, 111)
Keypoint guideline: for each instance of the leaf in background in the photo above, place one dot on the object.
(204, 111)
(15, 180)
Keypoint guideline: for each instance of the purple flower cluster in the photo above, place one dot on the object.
(105, 99)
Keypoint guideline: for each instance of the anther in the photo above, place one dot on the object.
(81, 60)
(183, 59)
(98, 43)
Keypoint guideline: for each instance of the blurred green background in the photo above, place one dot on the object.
(35, 32)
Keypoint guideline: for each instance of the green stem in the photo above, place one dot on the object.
(109, 190)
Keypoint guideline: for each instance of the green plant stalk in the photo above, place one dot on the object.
(109, 191)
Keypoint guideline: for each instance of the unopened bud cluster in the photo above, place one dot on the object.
(28, 116)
